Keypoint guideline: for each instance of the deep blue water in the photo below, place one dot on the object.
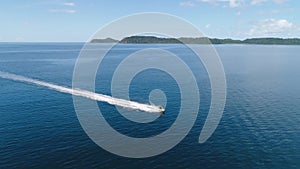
(259, 128)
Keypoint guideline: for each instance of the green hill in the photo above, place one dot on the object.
(200, 40)
(107, 40)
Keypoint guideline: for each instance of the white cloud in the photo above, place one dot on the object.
(62, 10)
(210, 1)
(256, 2)
(69, 4)
(231, 3)
(187, 3)
(235, 3)
(272, 27)
(239, 3)
(207, 26)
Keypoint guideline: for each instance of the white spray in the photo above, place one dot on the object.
(86, 94)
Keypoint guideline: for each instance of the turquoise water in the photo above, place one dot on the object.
(259, 129)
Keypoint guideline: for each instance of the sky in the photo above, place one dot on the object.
(78, 20)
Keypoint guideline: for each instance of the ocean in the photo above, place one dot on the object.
(259, 128)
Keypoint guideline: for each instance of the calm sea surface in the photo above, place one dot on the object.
(260, 127)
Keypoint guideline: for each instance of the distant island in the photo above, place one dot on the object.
(200, 40)
(107, 40)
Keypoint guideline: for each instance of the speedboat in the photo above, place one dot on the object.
(162, 110)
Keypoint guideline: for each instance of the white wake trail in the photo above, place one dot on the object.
(86, 94)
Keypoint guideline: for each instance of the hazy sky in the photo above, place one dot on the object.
(77, 20)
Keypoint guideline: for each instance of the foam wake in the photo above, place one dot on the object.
(85, 93)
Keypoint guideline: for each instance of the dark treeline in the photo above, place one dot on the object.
(201, 40)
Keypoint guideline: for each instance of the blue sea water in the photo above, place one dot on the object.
(259, 128)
